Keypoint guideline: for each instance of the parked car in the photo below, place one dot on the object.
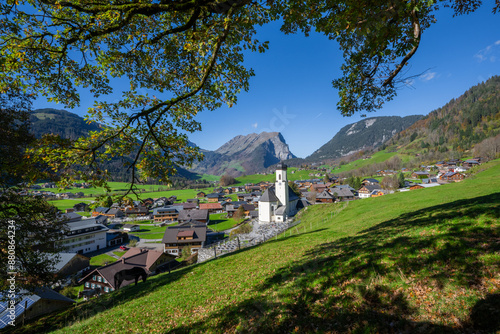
(123, 247)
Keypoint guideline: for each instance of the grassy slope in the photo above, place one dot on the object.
(426, 259)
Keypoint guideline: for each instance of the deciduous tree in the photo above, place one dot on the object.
(30, 229)
(181, 57)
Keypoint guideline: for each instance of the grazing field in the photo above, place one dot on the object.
(150, 232)
(375, 158)
(101, 260)
(425, 261)
(63, 204)
(220, 222)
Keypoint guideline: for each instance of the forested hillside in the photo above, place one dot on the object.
(459, 125)
(60, 122)
(366, 134)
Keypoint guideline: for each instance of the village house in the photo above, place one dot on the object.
(102, 278)
(325, 197)
(201, 194)
(377, 193)
(170, 213)
(212, 207)
(131, 228)
(84, 236)
(471, 163)
(193, 201)
(215, 197)
(115, 237)
(194, 216)
(452, 177)
(80, 207)
(148, 202)
(370, 181)
(139, 211)
(99, 211)
(422, 186)
(366, 190)
(30, 305)
(178, 237)
(343, 193)
(69, 264)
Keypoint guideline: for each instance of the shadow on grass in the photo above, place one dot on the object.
(394, 277)
(85, 310)
(407, 274)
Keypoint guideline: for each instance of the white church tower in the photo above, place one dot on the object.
(281, 185)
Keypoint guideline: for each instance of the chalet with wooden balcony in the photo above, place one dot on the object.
(169, 213)
(178, 237)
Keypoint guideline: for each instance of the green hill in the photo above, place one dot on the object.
(421, 261)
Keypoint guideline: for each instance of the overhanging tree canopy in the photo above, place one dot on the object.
(185, 56)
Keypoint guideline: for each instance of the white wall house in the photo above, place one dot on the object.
(84, 236)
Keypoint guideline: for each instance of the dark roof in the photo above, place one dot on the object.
(114, 211)
(302, 204)
(268, 196)
(27, 299)
(142, 258)
(167, 209)
(291, 195)
(193, 215)
(248, 207)
(342, 192)
(188, 206)
(170, 236)
(215, 195)
(281, 166)
(185, 234)
(129, 225)
(325, 194)
(371, 187)
(138, 209)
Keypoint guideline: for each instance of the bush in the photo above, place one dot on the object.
(243, 229)
(70, 291)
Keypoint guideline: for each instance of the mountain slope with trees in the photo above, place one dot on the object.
(366, 134)
(458, 126)
(60, 122)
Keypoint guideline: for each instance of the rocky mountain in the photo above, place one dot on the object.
(248, 154)
(366, 134)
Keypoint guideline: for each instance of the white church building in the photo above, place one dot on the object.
(279, 202)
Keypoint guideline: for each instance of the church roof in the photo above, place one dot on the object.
(281, 166)
(280, 210)
(291, 195)
(268, 196)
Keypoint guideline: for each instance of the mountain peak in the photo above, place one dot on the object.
(249, 154)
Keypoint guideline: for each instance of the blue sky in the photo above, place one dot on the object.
(292, 92)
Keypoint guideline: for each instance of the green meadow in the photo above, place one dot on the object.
(220, 222)
(425, 261)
